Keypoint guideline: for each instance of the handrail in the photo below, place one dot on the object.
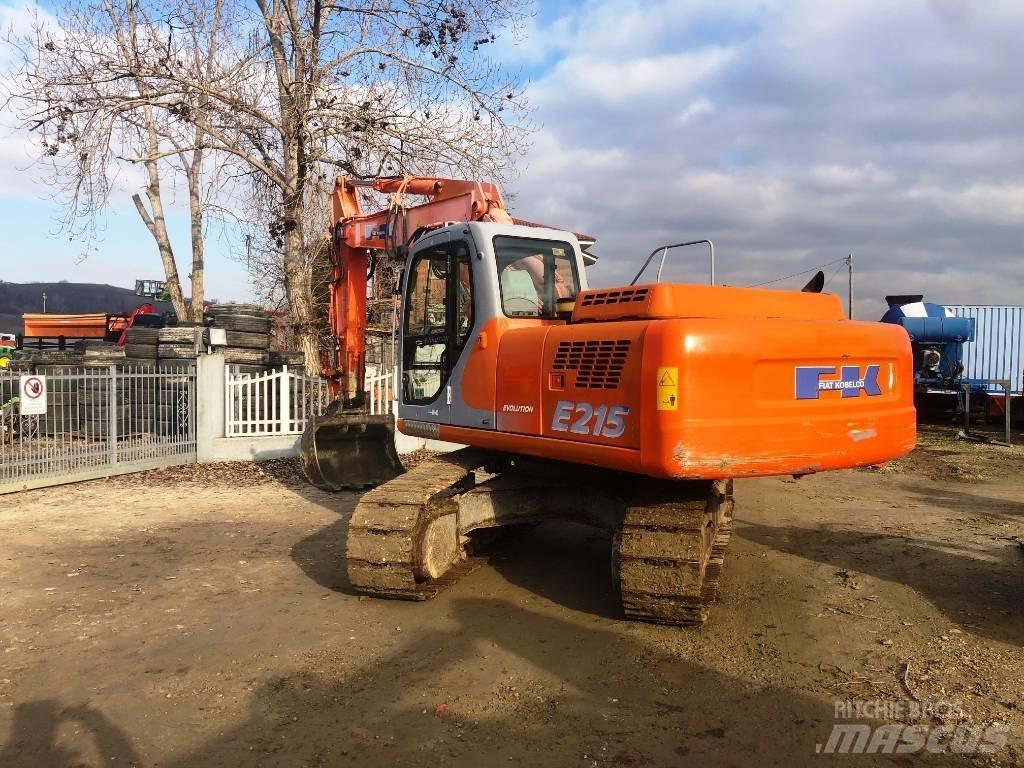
(664, 253)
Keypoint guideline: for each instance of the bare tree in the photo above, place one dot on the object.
(291, 93)
(85, 86)
(373, 88)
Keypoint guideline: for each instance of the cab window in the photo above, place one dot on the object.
(438, 318)
(426, 325)
(533, 274)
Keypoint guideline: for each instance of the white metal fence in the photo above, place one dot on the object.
(380, 392)
(100, 420)
(281, 402)
(272, 403)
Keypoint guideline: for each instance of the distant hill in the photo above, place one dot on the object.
(66, 299)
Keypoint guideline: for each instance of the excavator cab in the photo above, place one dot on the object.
(443, 298)
(460, 282)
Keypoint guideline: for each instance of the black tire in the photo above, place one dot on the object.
(244, 323)
(178, 335)
(148, 320)
(247, 340)
(238, 355)
(288, 358)
(177, 352)
(218, 310)
(140, 351)
(141, 335)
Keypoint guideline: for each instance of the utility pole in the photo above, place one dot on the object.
(849, 274)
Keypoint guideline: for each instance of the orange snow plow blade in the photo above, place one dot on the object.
(350, 450)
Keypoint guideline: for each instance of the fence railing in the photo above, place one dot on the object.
(380, 392)
(99, 420)
(282, 402)
(273, 403)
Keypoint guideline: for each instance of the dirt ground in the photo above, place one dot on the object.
(199, 617)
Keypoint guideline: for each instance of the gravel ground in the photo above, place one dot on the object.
(199, 617)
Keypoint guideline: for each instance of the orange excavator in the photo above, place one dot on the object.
(629, 408)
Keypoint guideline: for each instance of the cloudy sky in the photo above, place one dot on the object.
(790, 133)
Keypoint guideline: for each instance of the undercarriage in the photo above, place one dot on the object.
(414, 535)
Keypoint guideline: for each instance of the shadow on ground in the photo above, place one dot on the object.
(955, 500)
(983, 595)
(566, 563)
(612, 700)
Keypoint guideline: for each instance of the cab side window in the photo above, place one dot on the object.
(462, 299)
(426, 325)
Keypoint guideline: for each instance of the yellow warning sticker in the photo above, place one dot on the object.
(668, 389)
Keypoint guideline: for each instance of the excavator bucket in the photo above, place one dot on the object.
(350, 450)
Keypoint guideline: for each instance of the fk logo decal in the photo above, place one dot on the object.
(812, 380)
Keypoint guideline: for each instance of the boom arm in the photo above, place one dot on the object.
(354, 235)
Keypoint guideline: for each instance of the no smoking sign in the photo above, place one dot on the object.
(33, 396)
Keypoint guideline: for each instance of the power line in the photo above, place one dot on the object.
(797, 274)
(834, 273)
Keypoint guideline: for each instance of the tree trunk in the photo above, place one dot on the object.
(298, 288)
(196, 215)
(156, 223)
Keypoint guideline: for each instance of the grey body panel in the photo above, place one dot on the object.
(448, 407)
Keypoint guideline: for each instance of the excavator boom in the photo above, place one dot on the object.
(349, 448)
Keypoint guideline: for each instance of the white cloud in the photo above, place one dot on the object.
(792, 133)
(619, 82)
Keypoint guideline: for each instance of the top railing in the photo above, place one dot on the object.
(664, 249)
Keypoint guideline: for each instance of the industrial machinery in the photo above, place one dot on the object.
(8, 343)
(628, 408)
(937, 339)
(152, 289)
(51, 330)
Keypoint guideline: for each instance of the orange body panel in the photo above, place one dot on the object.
(781, 384)
(671, 300)
(91, 326)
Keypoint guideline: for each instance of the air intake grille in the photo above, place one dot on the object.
(617, 296)
(598, 363)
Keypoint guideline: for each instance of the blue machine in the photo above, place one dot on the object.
(937, 339)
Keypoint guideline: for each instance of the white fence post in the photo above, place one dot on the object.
(284, 398)
(112, 409)
(211, 397)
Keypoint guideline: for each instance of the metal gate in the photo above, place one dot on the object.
(271, 403)
(100, 420)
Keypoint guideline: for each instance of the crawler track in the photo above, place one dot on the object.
(403, 540)
(667, 556)
(391, 527)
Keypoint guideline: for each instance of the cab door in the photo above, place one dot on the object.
(426, 333)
